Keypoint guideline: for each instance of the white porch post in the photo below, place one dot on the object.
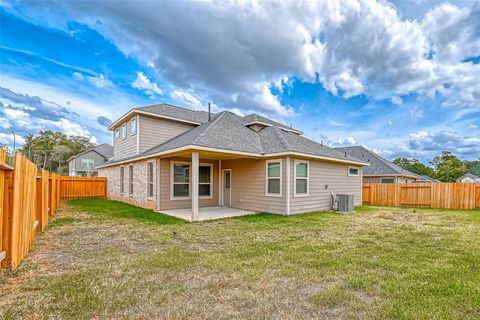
(287, 204)
(220, 182)
(195, 165)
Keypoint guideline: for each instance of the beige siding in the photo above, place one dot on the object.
(154, 131)
(324, 178)
(165, 186)
(123, 148)
(249, 183)
(140, 182)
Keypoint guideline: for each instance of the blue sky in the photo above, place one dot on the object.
(402, 78)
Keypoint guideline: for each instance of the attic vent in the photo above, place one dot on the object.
(256, 126)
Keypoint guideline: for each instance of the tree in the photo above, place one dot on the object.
(52, 149)
(473, 166)
(414, 165)
(448, 167)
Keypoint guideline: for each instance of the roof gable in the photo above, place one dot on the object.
(378, 164)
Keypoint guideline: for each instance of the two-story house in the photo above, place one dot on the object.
(84, 163)
(192, 164)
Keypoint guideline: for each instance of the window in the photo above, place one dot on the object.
(274, 178)
(150, 179)
(130, 179)
(301, 178)
(124, 131)
(117, 133)
(388, 180)
(205, 181)
(353, 171)
(180, 180)
(122, 180)
(88, 163)
(133, 126)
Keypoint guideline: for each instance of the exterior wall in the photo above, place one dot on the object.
(370, 179)
(140, 184)
(468, 179)
(123, 148)
(248, 186)
(89, 155)
(165, 186)
(324, 178)
(154, 131)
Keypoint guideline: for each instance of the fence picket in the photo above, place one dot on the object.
(28, 198)
(446, 195)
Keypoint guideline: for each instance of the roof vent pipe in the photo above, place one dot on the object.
(209, 113)
(345, 154)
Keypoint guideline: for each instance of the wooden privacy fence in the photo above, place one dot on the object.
(28, 198)
(454, 195)
(79, 187)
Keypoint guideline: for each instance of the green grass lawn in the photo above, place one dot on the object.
(106, 259)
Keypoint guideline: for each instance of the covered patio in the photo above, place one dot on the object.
(208, 213)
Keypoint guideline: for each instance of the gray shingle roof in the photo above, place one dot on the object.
(172, 111)
(105, 150)
(227, 131)
(427, 178)
(258, 118)
(469, 175)
(378, 165)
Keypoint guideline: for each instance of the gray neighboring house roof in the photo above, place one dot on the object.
(378, 166)
(227, 131)
(104, 149)
(427, 178)
(468, 175)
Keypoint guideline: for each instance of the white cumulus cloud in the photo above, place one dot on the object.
(143, 83)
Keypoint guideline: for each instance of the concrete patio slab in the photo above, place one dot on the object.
(208, 213)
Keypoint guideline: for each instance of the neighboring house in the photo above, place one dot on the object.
(84, 163)
(426, 179)
(170, 158)
(380, 169)
(469, 177)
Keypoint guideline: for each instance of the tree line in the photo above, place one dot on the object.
(445, 167)
(51, 150)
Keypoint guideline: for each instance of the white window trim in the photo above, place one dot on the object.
(126, 131)
(295, 194)
(353, 175)
(132, 133)
(122, 180)
(172, 163)
(130, 184)
(117, 133)
(278, 195)
(153, 180)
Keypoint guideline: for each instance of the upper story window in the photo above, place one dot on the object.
(124, 131)
(353, 171)
(88, 163)
(133, 126)
(117, 133)
(274, 178)
(301, 178)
